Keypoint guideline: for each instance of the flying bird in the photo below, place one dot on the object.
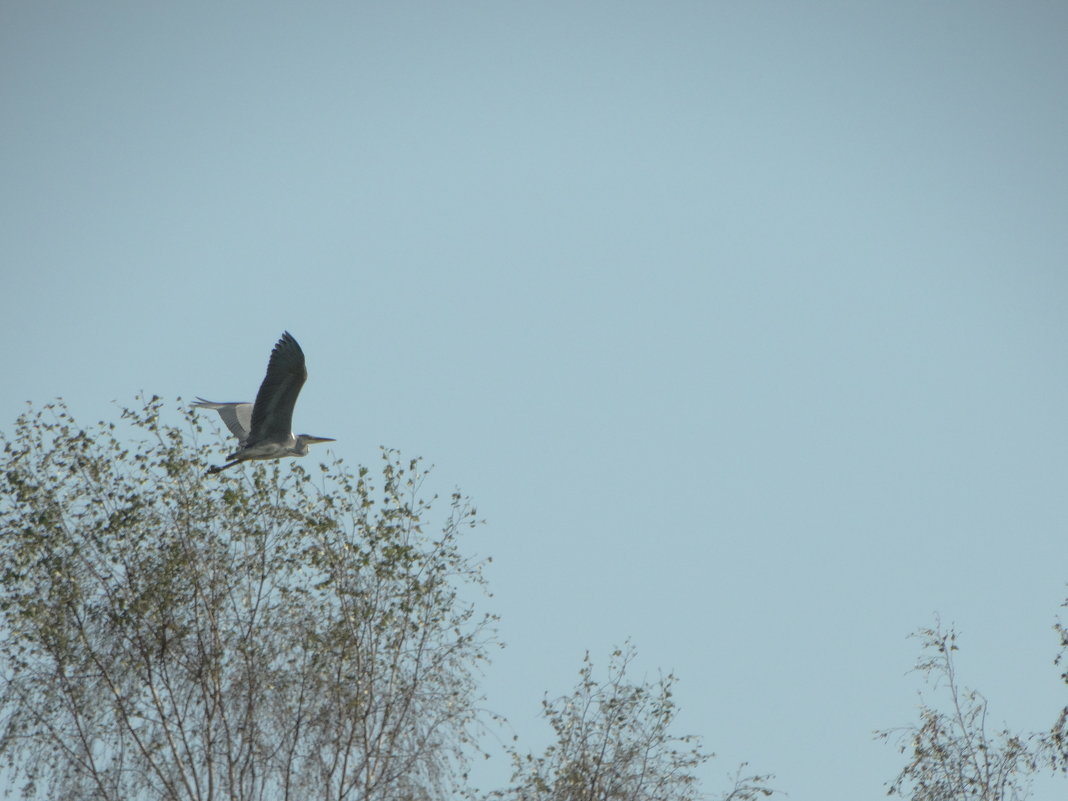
(264, 429)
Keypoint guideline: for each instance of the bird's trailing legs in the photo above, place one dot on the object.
(218, 468)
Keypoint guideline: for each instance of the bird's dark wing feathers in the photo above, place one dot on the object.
(272, 414)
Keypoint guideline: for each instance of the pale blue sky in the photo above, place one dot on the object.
(744, 324)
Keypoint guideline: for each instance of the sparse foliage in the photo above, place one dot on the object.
(1056, 741)
(168, 636)
(613, 742)
(953, 757)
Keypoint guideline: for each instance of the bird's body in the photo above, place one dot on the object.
(264, 428)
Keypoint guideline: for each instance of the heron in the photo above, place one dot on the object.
(264, 428)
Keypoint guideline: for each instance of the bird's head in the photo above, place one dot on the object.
(304, 440)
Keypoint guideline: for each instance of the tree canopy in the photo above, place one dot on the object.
(282, 635)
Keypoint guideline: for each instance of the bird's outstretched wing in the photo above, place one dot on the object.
(272, 414)
(237, 416)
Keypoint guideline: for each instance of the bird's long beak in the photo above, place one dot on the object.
(310, 438)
